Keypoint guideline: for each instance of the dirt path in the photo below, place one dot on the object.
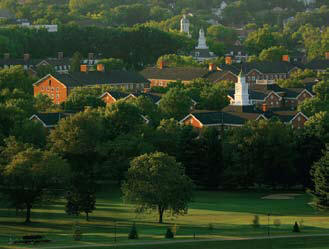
(176, 241)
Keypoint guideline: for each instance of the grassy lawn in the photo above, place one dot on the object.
(229, 213)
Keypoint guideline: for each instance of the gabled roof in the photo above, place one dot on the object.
(115, 94)
(264, 67)
(49, 120)
(97, 78)
(318, 65)
(174, 73)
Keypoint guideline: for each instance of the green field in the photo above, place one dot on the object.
(229, 213)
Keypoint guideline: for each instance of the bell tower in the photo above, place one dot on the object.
(241, 96)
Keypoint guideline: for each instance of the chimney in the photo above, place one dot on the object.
(285, 58)
(161, 64)
(90, 56)
(327, 55)
(264, 107)
(6, 56)
(84, 68)
(228, 60)
(212, 67)
(60, 55)
(100, 68)
(26, 57)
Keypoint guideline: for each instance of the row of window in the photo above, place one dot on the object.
(267, 77)
(49, 89)
(64, 67)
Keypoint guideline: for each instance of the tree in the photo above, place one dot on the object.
(213, 97)
(32, 176)
(112, 64)
(173, 60)
(219, 37)
(273, 53)
(175, 104)
(320, 177)
(157, 181)
(77, 138)
(76, 62)
(318, 126)
(42, 103)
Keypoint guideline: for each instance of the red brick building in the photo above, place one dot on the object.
(58, 86)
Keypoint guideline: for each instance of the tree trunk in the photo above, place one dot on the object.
(161, 210)
(87, 216)
(28, 213)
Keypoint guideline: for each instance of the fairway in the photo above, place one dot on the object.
(211, 215)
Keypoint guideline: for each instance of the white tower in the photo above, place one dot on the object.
(241, 96)
(185, 25)
(202, 40)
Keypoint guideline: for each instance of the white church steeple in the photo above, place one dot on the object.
(185, 25)
(202, 40)
(241, 96)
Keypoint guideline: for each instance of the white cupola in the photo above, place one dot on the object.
(241, 96)
(185, 25)
(202, 40)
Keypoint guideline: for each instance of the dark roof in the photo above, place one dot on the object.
(318, 65)
(236, 50)
(233, 118)
(265, 67)
(22, 62)
(293, 92)
(118, 95)
(98, 78)
(50, 119)
(6, 13)
(216, 75)
(284, 116)
(174, 73)
(254, 95)
(154, 98)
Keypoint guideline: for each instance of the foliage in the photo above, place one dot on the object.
(76, 62)
(277, 222)
(157, 181)
(77, 232)
(273, 53)
(320, 173)
(32, 176)
(175, 104)
(112, 64)
(220, 37)
(173, 60)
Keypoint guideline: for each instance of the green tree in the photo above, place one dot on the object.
(273, 53)
(320, 177)
(318, 126)
(76, 62)
(32, 176)
(157, 181)
(213, 97)
(112, 64)
(175, 104)
(42, 103)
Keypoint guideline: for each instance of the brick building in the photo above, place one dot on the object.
(58, 86)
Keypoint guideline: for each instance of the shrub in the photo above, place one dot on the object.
(296, 228)
(169, 234)
(255, 222)
(133, 232)
(277, 222)
(210, 226)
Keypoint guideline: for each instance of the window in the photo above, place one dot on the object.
(57, 96)
(272, 97)
(47, 88)
(42, 88)
(52, 89)
(52, 95)
(299, 119)
(57, 89)
(49, 82)
(277, 103)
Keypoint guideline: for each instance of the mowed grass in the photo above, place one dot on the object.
(229, 213)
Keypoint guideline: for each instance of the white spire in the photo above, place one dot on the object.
(185, 25)
(241, 96)
(202, 40)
